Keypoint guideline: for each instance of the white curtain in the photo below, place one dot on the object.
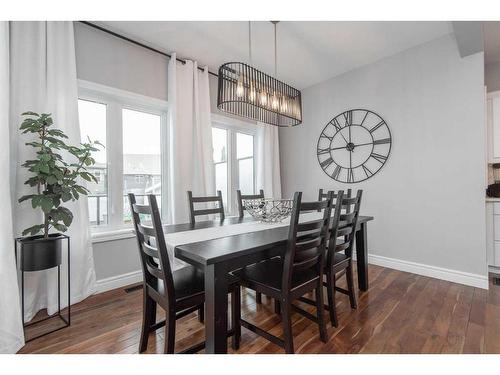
(191, 161)
(11, 327)
(268, 160)
(43, 79)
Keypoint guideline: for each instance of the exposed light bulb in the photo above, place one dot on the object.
(284, 105)
(275, 101)
(252, 93)
(263, 98)
(240, 90)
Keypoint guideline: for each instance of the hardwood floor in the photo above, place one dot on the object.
(401, 313)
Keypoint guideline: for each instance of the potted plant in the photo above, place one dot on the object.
(55, 180)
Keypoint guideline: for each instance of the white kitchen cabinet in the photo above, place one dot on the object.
(493, 126)
(493, 232)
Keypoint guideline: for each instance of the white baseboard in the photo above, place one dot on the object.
(470, 279)
(118, 281)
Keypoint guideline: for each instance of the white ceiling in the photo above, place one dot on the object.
(308, 52)
(491, 42)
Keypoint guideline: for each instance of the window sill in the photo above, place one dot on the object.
(113, 235)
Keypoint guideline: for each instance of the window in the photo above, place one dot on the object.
(141, 157)
(219, 140)
(234, 159)
(133, 130)
(93, 126)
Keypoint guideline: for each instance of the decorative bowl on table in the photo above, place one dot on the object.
(269, 210)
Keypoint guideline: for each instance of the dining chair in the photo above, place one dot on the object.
(241, 213)
(299, 272)
(178, 292)
(339, 254)
(219, 209)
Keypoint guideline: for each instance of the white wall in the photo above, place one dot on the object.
(428, 200)
(492, 77)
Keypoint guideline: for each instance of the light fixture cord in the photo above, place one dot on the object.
(275, 54)
(250, 42)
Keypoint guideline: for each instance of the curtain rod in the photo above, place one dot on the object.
(137, 43)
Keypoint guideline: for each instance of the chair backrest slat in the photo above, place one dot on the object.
(193, 212)
(241, 200)
(306, 241)
(324, 194)
(153, 252)
(142, 209)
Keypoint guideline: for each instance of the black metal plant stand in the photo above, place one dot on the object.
(67, 320)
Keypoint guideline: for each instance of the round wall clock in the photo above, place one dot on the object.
(354, 146)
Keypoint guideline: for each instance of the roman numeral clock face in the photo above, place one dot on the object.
(354, 146)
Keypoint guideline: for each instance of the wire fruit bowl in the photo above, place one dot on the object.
(269, 210)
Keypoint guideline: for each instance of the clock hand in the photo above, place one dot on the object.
(343, 137)
(342, 147)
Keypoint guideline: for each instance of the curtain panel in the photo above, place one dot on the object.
(190, 147)
(43, 79)
(11, 326)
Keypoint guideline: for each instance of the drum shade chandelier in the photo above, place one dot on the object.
(247, 92)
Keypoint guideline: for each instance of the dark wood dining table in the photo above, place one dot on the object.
(217, 257)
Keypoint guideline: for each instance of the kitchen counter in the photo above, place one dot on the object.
(490, 199)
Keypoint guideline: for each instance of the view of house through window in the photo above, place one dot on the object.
(141, 157)
(93, 125)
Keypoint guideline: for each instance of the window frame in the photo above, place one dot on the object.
(116, 100)
(233, 126)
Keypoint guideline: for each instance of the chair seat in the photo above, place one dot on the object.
(189, 281)
(267, 276)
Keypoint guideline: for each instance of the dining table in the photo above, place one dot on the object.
(218, 247)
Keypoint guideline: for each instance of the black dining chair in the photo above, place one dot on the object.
(193, 212)
(241, 198)
(241, 212)
(339, 253)
(300, 271)
(178, 292)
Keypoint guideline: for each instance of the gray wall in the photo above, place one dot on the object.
(492, 77)
(105, 59)
(428, 200)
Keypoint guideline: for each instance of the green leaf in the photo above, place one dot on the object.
(29, 113)
(60, 227)
(46, 203)
(51, 180)
(33, 230)
(36, 201)
(26, 197)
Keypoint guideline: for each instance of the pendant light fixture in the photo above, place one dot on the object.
(247, 92)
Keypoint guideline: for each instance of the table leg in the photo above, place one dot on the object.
(216, 290)
(362, 257)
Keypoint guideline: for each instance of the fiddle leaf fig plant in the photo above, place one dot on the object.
(54, 178)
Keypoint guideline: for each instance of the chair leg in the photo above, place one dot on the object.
(201, 313)
(320, 310)
(258, 298)
(169, 343)
(286, 311)
(330, 290)
(277, 308)
(350, 287)
(148, 319)
(235, 318)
